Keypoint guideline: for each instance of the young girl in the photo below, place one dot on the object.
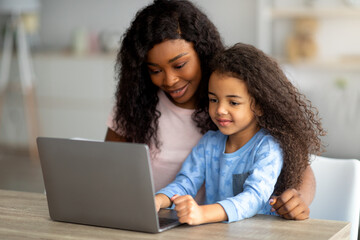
(161, 98)
(265, 125)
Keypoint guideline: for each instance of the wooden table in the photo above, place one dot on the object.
(25, 216)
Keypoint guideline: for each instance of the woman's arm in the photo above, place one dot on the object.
(308, 186)
(114, 137)
(294, 204)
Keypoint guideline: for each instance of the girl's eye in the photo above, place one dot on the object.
(234, 103)
(212, 100)
(180, 65)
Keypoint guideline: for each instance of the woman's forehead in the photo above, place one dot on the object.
(170, 49)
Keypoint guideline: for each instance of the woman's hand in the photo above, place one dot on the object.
(290, 205)
(294, 204)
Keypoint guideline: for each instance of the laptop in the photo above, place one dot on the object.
(107, 184)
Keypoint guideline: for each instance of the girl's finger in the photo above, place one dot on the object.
(183, 213)
(174, 197)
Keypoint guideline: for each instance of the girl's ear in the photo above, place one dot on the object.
(256, 108)
(258, 111)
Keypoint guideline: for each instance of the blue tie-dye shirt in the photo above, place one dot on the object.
(241, 182)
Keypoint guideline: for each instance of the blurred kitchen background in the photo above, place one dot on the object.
(73, 49)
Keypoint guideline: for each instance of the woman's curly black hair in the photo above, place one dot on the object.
(286, 114)
(136, 96)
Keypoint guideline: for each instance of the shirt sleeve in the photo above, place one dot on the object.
(258, 186)
(111, 123)
(192, 174)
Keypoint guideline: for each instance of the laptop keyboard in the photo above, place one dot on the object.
(164, 222)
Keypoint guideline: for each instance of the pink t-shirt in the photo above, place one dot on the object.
(177, 133)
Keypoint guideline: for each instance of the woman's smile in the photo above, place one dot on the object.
(178, 93)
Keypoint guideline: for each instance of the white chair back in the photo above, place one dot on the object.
(337, 191)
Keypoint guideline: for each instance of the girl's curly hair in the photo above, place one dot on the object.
(136, 96)
(286, 114)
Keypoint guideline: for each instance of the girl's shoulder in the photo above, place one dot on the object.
(211, 140)
(213, 136)
(266, 143)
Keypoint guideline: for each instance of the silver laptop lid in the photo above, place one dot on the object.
(99, 183)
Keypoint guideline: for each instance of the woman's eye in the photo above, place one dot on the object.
(180, 65)
(153, 71)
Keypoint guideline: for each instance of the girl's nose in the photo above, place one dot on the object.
(221, 109)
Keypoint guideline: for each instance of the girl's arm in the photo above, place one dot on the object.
(114, 137)
(162, 201)
(258, 186)
(189, 211)
(257, 189)
(192, 173)
(294, 204)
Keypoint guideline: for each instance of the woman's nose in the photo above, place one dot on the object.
(170, 80)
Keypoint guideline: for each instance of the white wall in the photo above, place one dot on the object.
(235, 19)
(336, 94)
(75, 94)
(332, 79)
